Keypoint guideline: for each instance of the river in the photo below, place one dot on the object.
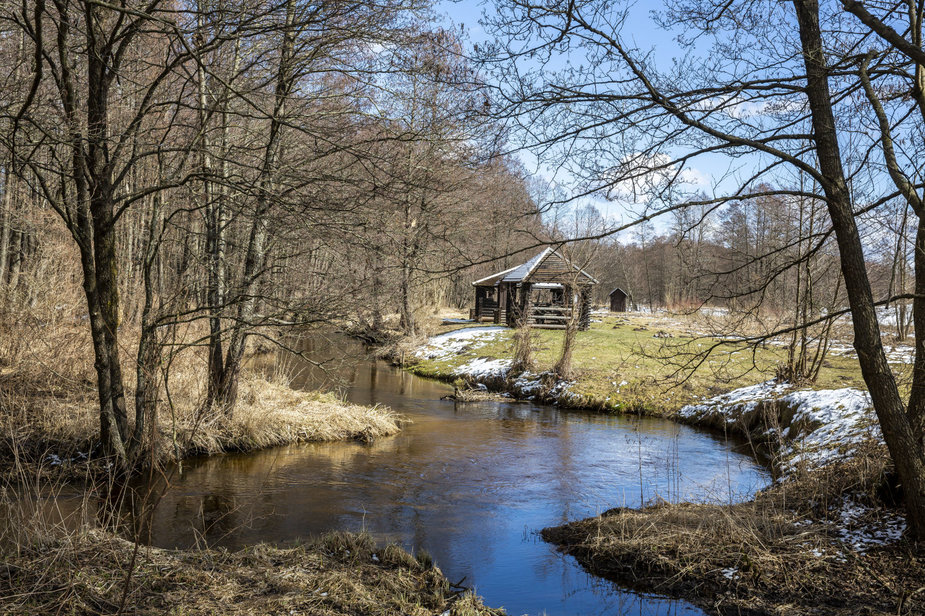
(470, 483)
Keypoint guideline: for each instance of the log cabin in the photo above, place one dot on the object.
(545, 292)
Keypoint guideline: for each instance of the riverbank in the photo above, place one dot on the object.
(92, 572)
(793, 428)
(826, 537)
(49, 417)
(56, 429)
(824, 542)
(49, 427)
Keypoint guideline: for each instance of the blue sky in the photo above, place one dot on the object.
(647, 35)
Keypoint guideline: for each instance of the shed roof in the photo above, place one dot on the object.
(521, 273)
(620, 290)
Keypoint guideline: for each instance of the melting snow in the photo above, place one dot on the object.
(826, 425)
(484, 367)
(896, 354)
(735, 403)
(855, 528)
(454, 342)
(731, 573)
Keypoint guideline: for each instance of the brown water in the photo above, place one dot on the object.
(470, 483)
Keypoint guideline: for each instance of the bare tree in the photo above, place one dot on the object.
(785, 108)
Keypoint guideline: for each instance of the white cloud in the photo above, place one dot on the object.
(734, 106)
(642, 176)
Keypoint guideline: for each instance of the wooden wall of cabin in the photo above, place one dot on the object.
(552, 269)
(479, 297)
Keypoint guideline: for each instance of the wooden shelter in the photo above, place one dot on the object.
(618, 299)
(544, 292)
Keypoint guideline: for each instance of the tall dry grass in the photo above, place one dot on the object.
(270, 413)
(48, 399)
(78, 561)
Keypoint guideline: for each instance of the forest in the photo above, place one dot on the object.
(218, 217)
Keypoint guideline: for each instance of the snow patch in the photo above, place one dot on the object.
(484, 368)
(735, 403)
(895, 354)
(455, 342)
(826, 424)
(861, 527)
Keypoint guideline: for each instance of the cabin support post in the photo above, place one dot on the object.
(479, 301)
(501, 313)
(584, 322)
(511, 316)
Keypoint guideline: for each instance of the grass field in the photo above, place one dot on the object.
(646, 362)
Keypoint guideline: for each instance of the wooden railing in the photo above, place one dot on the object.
(549, 317)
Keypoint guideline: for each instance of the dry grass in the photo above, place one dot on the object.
(778, 554)
(87, 573)
(48, 399)
(270, 413)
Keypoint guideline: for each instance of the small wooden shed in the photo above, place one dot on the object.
(544, 292)
(618, 299)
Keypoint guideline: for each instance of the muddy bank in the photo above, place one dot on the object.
(96, 572)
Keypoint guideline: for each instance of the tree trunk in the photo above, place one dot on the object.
(149, 349)
(905, 450)
(256, 256)
(917, 396)
(6, 223)
(102, 212)
(212, 232)
(563, 367)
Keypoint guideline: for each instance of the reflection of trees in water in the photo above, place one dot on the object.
(203, 519)
(219, 515)
(326, 361)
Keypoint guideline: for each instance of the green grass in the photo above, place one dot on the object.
(621, 365)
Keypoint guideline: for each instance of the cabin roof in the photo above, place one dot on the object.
(490, 281)
(521, 273)
(620, 290)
